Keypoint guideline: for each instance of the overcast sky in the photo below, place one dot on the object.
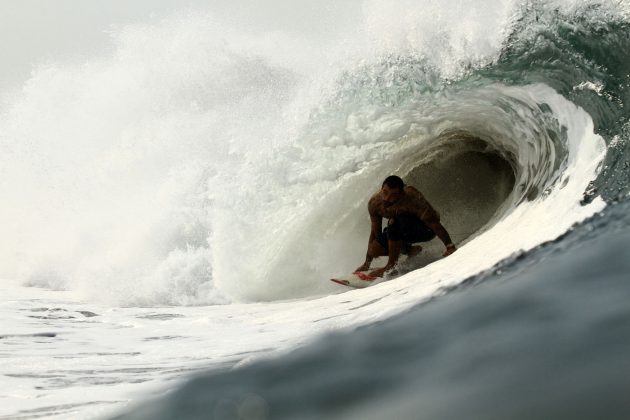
(37, 31)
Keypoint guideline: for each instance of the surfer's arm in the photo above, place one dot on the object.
(431, 218)
(441, 233)
(425, 212)
(376, 225)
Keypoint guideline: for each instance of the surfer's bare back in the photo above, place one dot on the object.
(411, 219)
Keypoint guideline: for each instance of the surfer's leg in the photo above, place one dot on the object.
(415, 230)
(379, 247)
(394, 238)
(376, 248)
(410, 230)
(394, 248)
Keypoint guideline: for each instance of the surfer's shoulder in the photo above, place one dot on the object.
(414, 196)
(413, 191)
(425, 210)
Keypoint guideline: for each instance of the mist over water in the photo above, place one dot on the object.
(108, 164)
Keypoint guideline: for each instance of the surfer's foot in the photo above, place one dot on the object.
(414, 250)
(363, 267)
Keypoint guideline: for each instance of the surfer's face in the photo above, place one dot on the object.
(391, 195)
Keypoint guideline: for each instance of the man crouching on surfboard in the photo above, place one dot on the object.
(411, 219)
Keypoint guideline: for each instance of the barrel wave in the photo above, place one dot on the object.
(210, 172)
(247, 178)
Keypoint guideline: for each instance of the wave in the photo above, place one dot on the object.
(205, 164)
(531, 148)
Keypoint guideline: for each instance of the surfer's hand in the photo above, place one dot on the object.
(363, 267)
(450, 248)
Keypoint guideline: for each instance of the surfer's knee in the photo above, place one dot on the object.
(394, 230)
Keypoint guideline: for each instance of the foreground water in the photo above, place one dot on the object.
(545, 334)
(178, 206)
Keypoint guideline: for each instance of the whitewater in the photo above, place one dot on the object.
(173, 207)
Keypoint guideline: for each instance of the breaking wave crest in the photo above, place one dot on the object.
(201, 164)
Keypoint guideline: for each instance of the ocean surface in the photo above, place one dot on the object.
(173, 207)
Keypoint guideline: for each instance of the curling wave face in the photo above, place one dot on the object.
(245, 176)
(479, 153)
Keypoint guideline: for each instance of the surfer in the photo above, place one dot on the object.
(411, 219)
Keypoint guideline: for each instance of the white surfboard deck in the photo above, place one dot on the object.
(358, 279)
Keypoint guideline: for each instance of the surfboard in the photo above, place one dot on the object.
(358, 279)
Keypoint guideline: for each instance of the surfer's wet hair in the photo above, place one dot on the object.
(394, 181)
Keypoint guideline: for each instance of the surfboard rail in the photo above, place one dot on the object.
(358, 279)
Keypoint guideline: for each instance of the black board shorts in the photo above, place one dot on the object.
(406, 228)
